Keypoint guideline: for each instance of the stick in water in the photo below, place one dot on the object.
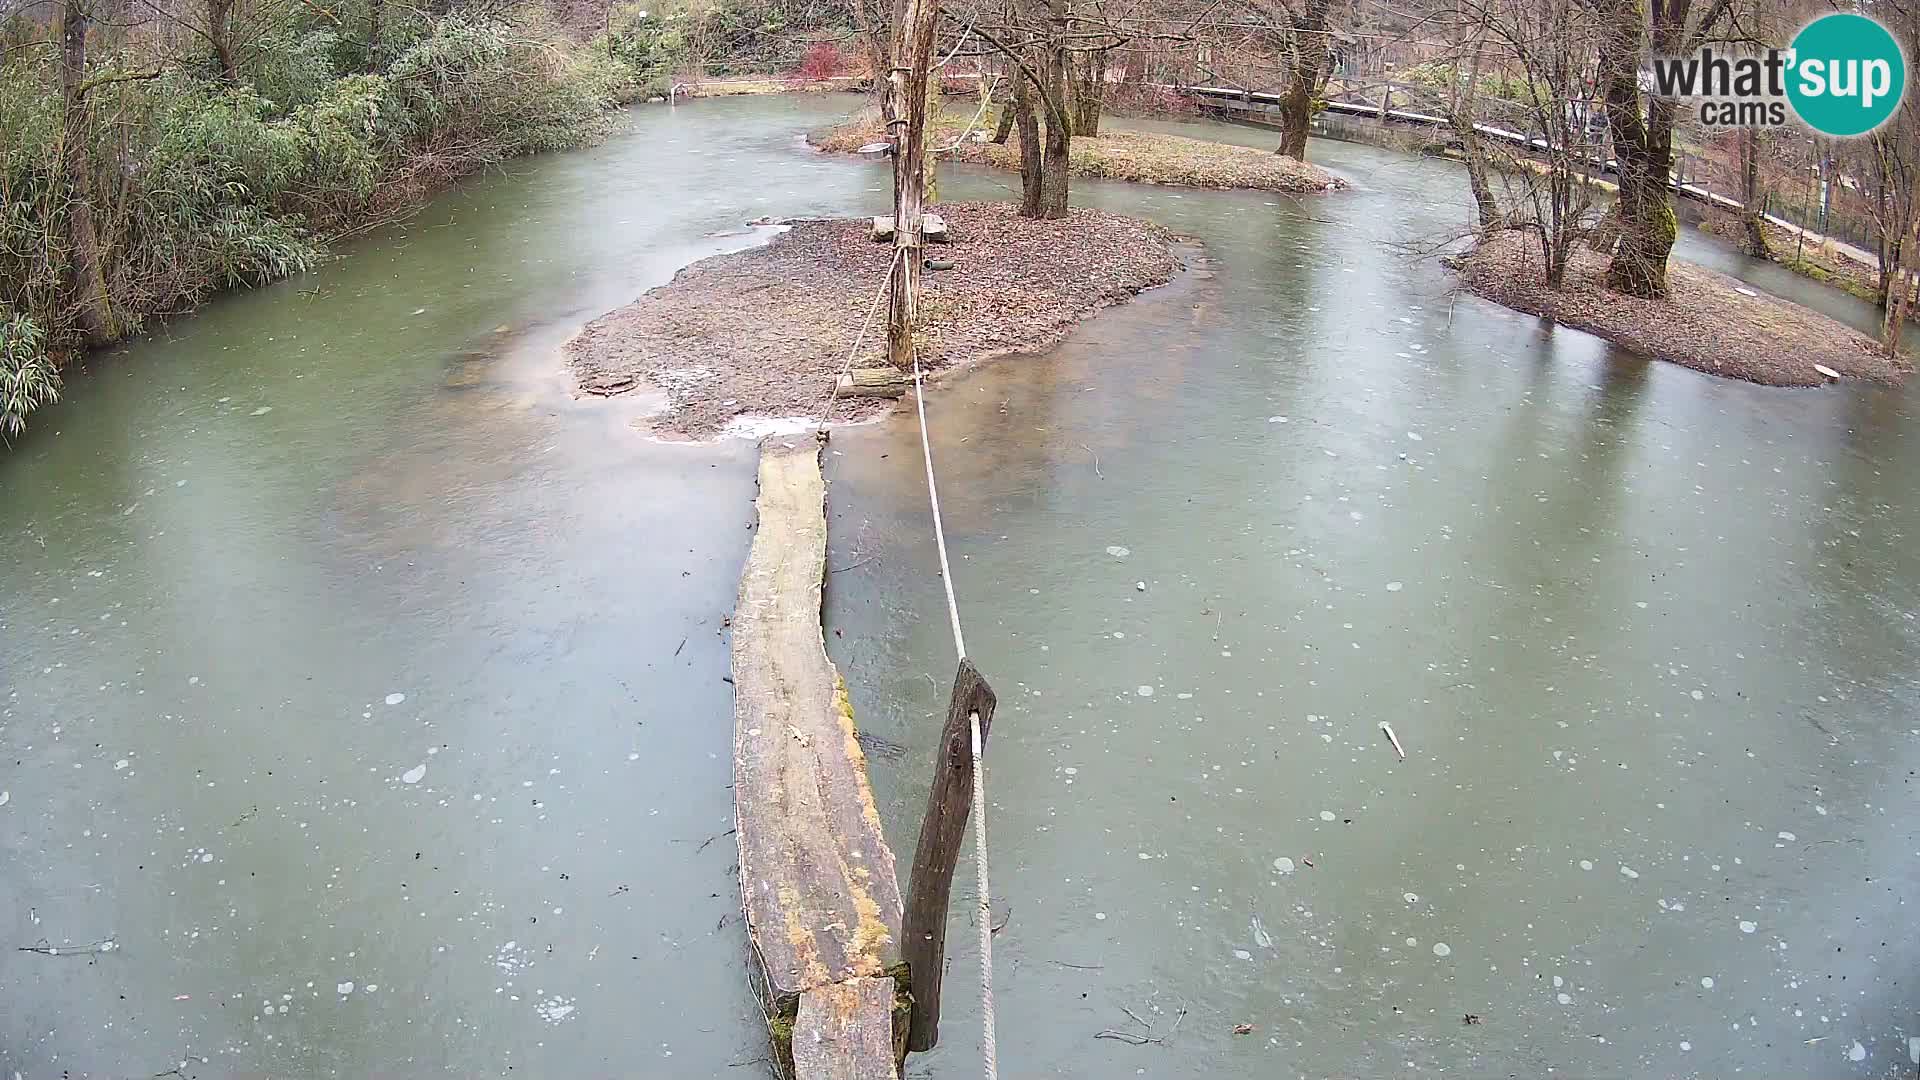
(1392, 738)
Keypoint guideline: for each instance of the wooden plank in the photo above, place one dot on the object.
(942, 833)
(844, 1031)
(816, 877)
(885, 381)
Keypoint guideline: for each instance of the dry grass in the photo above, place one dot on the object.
(1138, 157)
(1704, 323)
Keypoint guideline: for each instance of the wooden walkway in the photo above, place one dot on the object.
(817, 879)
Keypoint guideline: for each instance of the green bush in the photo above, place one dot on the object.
(201, 185)
(27, 378)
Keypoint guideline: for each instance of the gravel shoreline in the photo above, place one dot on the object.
(765, 332)
(1709, 321)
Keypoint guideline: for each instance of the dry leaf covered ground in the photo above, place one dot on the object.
(765, 332)
(1137, 156)
(1705, 322)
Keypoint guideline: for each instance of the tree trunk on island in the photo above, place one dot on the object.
(92, 305)
(907, 84)
(1487, 211)
(1753, 200)
(1030, 165)
(1311, 65)
(1643, 140)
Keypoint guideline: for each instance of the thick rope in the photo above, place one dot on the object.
(984, 916)
(933, 496)
(988, 1052)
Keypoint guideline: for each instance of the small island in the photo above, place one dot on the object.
(1142, 157)
(765, 332)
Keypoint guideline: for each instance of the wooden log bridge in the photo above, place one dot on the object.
(817, 879)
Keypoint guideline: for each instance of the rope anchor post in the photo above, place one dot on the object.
(942, 834)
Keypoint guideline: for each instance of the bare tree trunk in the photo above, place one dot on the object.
(1311, 61)
(1463, 118)
(1059, 133)
(1753, 200)
(1643, 146)
(1089, 90)
(220, 34)
(376, 28)
(873, 35)
(907, 92)
(1030, 164)
(1900, 283)
(1004, 129)
(92, 303)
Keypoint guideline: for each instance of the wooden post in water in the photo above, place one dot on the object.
(923, 927)
(905, 109)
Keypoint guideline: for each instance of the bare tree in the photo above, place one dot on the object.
(1641, 127)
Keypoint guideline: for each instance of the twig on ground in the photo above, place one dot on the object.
(1078, 967)
(45, 948)
(854, 565)
(1126, 1037)
(1096, 461)
(1142, 1040)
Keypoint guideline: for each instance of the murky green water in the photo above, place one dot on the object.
(1648, 638)
(237, 544)
(256, 574)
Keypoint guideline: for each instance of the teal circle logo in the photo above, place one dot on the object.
(1848, 75)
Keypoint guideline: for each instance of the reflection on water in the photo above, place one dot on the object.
(1648, 638)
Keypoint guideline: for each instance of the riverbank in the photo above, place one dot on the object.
(1135, 156)
(1708, 322)
(764, 332)
(1811, 257)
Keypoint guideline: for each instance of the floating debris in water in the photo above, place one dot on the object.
(1260, 935)
(1442, 949)
(414, 775)
(262, 410)
(1628, 871)
(1144, 691)
(344, 988)
(1118, 552)
(1283, 864)
(1856, 1052)
(1706, 982)
(395, 699)
(1747, 927)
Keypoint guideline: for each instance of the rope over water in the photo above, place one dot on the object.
(988, 1051)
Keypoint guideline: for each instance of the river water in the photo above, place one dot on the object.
(365, 690)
